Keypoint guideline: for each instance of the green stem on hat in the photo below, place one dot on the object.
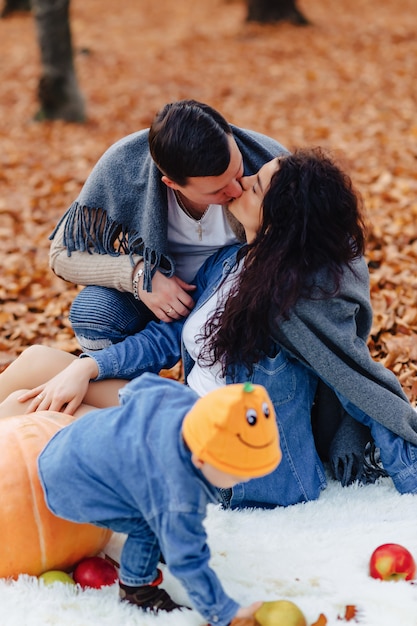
(248, 387)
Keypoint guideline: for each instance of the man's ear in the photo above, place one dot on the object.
(198, 463)
(168, 182)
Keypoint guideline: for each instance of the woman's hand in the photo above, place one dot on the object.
(169, 299)
(65, 391)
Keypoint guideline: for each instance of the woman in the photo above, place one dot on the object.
(287, 310)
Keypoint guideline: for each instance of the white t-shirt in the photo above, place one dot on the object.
(204, 378)
(191, 242)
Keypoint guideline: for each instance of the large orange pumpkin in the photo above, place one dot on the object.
(32, 539)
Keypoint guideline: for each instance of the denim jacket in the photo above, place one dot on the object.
(290, 384)
(144, 485)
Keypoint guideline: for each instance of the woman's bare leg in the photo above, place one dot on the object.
(36, 365)
(33, 367)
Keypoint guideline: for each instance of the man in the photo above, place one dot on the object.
(150, 213)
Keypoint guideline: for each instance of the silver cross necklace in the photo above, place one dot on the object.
(195, 219)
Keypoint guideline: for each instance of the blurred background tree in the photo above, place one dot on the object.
(9, 6)
(268, 11)
(58, 92)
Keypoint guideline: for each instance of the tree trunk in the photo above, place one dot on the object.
(10, 6)
(58, 92)
(268, 11)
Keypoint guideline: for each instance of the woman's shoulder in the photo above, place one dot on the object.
(328, 290)
(354, 272)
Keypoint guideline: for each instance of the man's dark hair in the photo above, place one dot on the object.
(188, 138)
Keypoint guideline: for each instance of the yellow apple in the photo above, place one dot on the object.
(56, 576)
(280, 613)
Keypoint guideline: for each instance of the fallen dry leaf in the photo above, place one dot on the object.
(350, 613)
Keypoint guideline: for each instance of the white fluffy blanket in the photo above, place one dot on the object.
(315, 554)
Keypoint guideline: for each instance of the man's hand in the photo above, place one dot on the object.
(65, 391)
(169, 299)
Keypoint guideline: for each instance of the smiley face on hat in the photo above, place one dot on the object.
(234, 429)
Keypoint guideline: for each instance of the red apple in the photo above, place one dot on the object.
(96, 572)
(392, 561)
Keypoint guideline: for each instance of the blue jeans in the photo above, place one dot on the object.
(399, 457)
(140, 553)
(101, 316)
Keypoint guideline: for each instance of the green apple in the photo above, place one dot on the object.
(280, 613)
(56, 576)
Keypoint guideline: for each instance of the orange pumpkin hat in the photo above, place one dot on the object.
(234, 429)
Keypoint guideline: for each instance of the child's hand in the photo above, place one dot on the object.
(246, 615)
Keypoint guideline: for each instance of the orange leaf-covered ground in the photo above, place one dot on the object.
(347, 82)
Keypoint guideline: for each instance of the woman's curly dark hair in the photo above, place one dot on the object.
(312, 219)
